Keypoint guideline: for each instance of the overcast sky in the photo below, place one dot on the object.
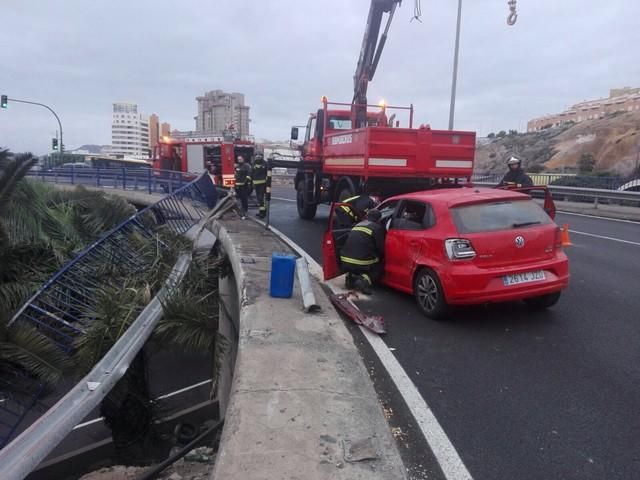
(79, 56)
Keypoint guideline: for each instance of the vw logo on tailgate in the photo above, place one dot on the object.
(519, 241)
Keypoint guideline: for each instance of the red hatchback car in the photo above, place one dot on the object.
(462, 246)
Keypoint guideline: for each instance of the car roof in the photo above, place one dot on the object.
(462, 195)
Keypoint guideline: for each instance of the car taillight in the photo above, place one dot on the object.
(558, 240)
(459, 249)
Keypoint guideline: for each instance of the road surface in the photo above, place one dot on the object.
(522, 395)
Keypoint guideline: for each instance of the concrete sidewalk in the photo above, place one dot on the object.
(302, 404)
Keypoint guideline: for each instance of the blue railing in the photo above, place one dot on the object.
(62, 308)
(141, 178)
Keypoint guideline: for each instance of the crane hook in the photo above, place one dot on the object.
(513, 15)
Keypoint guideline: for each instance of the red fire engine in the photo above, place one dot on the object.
(354, 147)
(196, 152)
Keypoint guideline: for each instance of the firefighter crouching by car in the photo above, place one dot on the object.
(515, 177)
(353, 211)
(259, 177)
(243, 184)
(363, 252)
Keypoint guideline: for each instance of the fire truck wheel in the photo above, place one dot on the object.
(345, 193)
(306, 210)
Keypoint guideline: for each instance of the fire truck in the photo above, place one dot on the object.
(196, 152)
(356, 147)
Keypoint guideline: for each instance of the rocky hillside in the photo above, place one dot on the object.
(613, 142)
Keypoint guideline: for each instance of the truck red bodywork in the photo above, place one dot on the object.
(195, 155)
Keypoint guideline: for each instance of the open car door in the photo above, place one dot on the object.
(539, 191)
(332, 242)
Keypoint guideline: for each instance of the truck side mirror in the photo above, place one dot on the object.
(294, 133)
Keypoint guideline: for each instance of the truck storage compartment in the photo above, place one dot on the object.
(400, 152)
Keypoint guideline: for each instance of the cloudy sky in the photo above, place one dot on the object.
(79, 56)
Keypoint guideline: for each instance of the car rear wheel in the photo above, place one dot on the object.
(429, 295)
(543, 301)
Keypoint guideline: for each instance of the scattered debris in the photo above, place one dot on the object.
(375, 323)
(359, 450)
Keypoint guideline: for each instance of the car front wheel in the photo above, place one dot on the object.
(429, 295)
(543, 301)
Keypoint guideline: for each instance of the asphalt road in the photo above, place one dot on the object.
(522, 395)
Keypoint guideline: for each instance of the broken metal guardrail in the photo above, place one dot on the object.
(58, 310)
(24, 453)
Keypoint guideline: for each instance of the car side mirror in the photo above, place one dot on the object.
(294, 133)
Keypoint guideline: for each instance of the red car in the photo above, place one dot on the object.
(469, 245)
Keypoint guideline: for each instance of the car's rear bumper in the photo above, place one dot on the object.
(468, 284)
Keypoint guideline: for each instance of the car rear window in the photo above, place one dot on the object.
(489, 217)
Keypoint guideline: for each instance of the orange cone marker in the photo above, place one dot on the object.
(564, 236)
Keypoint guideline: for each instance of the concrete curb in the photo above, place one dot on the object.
(615, 212)
(301, 401)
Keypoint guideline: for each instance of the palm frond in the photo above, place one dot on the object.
(117, 307)
(11, 172)
(35, 354)
(187, 323)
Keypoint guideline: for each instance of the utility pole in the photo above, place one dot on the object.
(454, 81)
(54, 114)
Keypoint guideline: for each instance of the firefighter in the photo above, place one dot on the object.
(259, 177)
(355, 210)
(243, 184)
(363, 252)
(515, 177)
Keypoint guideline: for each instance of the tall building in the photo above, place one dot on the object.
(620, 100)
(165, 129)
(157, 130)
(154, 130)
(129, 131)
(219, 111)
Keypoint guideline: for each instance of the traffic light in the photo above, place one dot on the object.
(54, 143)
(4, 101)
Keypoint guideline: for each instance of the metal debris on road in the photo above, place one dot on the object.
(375, 323)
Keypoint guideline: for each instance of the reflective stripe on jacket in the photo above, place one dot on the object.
(243, 174)
(259, 174)
(364, 245)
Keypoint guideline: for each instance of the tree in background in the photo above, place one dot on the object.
(536, 168)
(501, 134)
(587, 163)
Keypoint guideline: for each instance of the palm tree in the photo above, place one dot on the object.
(190, 319)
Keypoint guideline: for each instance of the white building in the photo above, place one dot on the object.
(129, 131)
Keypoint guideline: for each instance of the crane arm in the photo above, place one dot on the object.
(370, 55)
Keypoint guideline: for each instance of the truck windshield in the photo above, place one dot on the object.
(488, 217)
(336, 123)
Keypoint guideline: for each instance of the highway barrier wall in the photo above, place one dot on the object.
(294, 390)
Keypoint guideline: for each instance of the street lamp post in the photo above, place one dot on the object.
(454, 81)
(54, 114)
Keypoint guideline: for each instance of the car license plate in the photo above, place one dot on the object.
(526, 277)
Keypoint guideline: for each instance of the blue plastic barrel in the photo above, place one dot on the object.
(283, 267)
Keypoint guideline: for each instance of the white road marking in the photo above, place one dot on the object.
(599, 217)
(283, 199)
(161, 397)
(604, 238)
(450, 462)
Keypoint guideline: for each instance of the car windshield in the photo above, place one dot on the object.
(488, 217)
